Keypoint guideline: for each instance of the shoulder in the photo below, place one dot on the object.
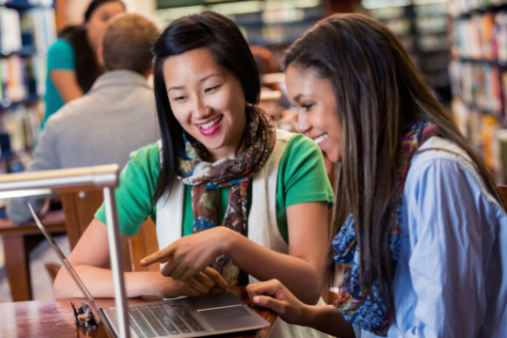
(61, 55)
(302, 175)
(444, 169)
(71, 112)
(301, 142)
(300, 149)
(61, 46)
(147, 156)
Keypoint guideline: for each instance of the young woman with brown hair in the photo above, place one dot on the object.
(419, 223)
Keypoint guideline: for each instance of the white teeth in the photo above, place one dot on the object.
(319, 139)
(211, 123)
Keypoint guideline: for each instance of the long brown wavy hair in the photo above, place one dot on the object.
(380, 95)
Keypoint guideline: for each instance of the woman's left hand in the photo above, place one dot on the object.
(275, 296)
(191, 254)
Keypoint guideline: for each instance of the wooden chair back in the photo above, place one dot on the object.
(503, 193)
(79, 208)
(144, 244)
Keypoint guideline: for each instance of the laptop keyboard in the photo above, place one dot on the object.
(158, 320)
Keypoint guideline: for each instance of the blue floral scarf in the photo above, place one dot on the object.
(371, 312)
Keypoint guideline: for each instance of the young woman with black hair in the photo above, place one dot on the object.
(72, 60)
(419, 224)
(224, 188)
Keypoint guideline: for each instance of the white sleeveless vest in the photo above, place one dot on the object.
(263, 227)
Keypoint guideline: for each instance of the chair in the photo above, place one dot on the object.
(79, 207)
(503, 193)
(19, 240)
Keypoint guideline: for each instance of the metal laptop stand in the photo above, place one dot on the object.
(99, 177)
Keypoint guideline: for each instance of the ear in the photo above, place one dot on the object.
(100, 56)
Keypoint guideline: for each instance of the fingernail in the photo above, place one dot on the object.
(143, 261)
(256, 299)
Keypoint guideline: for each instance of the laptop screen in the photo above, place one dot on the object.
(67, 265)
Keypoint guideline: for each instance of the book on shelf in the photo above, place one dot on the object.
(436, 9)
(27, 30)
(476, 37)
(422, 30)
(28, 3)
(465, 7)
(12, 75)
(500, 155)
(30, 30)
(479, 85)
(10, 31)
(21, 125)
(21, 78)
(23, 47)
(483, 36)
(38, 28)
(482, 131)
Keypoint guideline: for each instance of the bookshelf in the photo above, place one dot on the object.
(478, 71)
(27, 30)
(422, 27)
(264, 23)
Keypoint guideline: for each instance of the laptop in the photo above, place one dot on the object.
(200, 316)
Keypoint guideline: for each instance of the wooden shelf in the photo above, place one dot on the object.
(483, 9)
(6, 103)
(25, 51)
(482, 61)
(21, 4)
(484, 111)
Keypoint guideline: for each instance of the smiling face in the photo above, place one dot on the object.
(317, 110)
(208, 101)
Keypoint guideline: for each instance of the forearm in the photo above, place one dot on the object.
(265, 264)
(99, 282)
(328, 320)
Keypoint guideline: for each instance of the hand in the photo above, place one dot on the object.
(273, 295)
(201, 284)
(191, 254)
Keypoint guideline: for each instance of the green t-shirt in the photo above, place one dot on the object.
(302, 178)
(60, 56)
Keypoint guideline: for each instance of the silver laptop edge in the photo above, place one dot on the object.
(65, 262)
(91, 302)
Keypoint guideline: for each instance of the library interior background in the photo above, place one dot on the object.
(460, 47)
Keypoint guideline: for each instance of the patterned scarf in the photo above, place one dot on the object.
(207, 178)
(371, 312)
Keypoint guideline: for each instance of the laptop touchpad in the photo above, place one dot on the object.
(220, 319)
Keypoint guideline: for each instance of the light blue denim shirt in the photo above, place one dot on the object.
(451, 278)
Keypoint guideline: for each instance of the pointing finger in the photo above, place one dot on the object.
(161, 256)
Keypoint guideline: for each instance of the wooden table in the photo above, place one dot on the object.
(50, 318)
(19, 240)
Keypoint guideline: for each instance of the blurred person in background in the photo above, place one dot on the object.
(72, 64)
(273, 100)
(266, 64)
(116, 117)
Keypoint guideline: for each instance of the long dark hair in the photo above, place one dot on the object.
(379, 94)
(87, 66)
(228, 47)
